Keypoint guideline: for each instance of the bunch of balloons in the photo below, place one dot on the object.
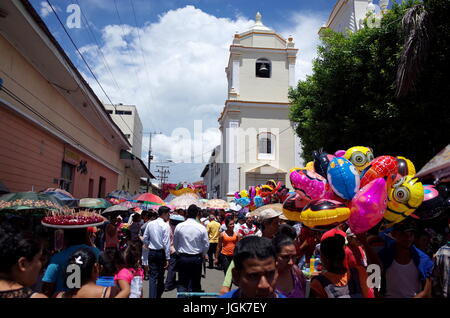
(255, 197)
(355, 187)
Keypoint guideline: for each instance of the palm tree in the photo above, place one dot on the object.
(416, 26)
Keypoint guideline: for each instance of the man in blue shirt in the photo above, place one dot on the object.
(406, 269)
(255, 270)
(54, 279)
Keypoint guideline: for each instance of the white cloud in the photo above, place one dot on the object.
(182, 78)
(46, 9)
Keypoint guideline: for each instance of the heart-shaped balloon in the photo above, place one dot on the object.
(367, 206)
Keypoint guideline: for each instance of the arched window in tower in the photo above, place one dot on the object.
(263, 68)
(266, 146)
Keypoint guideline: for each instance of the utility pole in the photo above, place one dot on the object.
(163, 174)
(150, 156)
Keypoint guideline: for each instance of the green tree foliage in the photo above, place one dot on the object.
(350, 99)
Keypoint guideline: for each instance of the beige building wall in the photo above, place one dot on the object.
(261, 39)
(270, 89)
(129, 181)
(130, 125)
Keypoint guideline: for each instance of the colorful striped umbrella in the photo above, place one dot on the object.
(149, 198)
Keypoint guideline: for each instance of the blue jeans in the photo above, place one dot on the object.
(171, 272)
(156, 261)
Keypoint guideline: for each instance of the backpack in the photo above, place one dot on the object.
(351, 290)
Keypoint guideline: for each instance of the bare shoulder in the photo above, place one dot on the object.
(39, 295)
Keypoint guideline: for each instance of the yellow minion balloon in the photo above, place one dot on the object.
(359, 156)
(405, 196)
(405, 167)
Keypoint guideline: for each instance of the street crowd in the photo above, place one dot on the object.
(261, 256)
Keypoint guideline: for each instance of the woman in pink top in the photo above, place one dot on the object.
(291, 283)
(130, 277)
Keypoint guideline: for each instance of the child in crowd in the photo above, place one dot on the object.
(130, 277)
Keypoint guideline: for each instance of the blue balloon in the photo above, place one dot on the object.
(258, 201)
(243, 202)
(343, 178)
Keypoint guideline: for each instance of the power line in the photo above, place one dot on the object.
(129, 52)
(143, 55)
(87, 65)
(99, 48)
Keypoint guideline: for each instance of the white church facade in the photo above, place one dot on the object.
(258, 139)
(349, 15)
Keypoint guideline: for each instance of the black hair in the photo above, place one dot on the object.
(406, 225)
(145, 214)
(88, 259)
(163, 210)
(136, 217)
(111, 261)
(228, 219)
(280, 240)
(333, 249)
(76, 236)
(252, 247)
(288, 230)
(14, 244)
(192, 211)
(132, 255)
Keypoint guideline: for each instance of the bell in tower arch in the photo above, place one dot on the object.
(263, 68)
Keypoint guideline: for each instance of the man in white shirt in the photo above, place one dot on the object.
(241, 221)
(157, 239)
(191, 243)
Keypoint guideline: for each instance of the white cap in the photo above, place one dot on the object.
(269, 214)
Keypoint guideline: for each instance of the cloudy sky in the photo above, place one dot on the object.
(168, 58)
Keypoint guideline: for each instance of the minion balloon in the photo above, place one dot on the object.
(359, 156)
(405, 196)
(405, 167)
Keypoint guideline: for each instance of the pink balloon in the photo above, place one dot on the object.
(340, 153)
(310, 183)
(367, 206)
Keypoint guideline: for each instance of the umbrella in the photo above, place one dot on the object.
(29, 200)
(59, 190)
(115, 208)
(185, 200)
(144, 201)
(169, 198)
(118, 209)
(149, 198)
(120, 194)
(217, 204)
(439, 166)
(275, 206)
(66, 200)
(94, 203)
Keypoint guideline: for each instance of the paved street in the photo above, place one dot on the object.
(211, 284)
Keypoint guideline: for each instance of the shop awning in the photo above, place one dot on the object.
(439, 166)
(136, 164)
